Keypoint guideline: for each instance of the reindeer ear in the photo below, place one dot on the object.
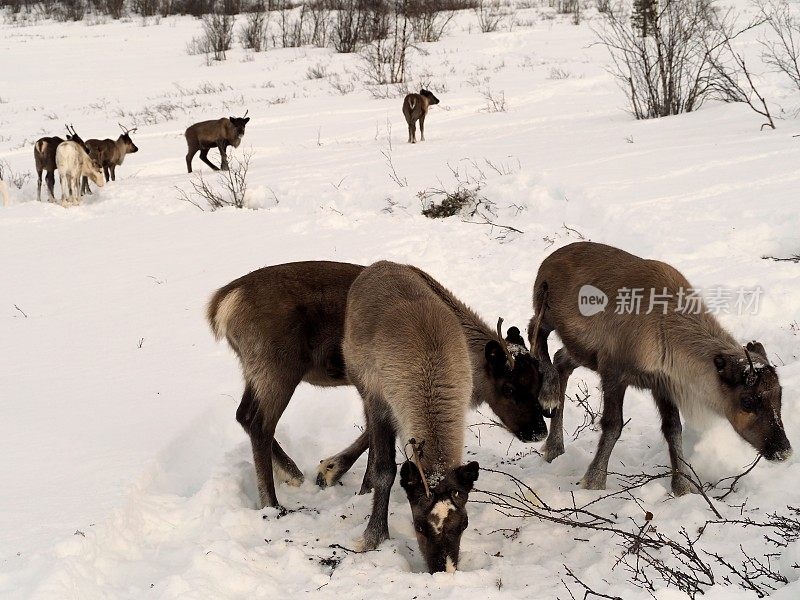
(246, 120)
(467, 474)
(495, 355)
(411, 480)
(513, 336)
(757, 347)
(729, 369)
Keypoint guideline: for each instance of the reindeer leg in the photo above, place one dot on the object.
(204, 158)
(105, 173)
(412, 132)
(113, 169)
(284, 468)
(611, 422)
(259, 417)
(422, 127)
(382, 438)
(223, 155)
(331, 469)
(672, 430)
(39, 186)
(554, 446)
(189, 158)
(50, 178)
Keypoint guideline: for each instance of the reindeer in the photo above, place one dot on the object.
(286, 322)
(685, 358)
(74, 163)
(407, 353)
(44, 155)
(110, 154)
(220, 134)
(3, 188)
(415, 108)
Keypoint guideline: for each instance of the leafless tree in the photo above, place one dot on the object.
(782, 50)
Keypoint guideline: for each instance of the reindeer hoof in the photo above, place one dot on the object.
(370, 540)
(682, 486)
(550, 452)
(294, 478)
(594, 481)
(329, 472)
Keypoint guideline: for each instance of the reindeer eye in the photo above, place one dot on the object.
(749, 403)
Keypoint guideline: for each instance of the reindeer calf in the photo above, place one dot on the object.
(415, 108)
(219, 134)
(681, 354)
(74, 163)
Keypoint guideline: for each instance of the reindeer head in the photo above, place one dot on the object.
(95, 173)
(439, 514)
(516, 382)
(429, 95)
(73, 136)
(239, 124)
(125, 138)
(753, 400)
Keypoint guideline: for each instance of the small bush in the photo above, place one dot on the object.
(317, 72)
(490, 15)
(218, 34)
(253, 33)
(452, 204)
(230, 190)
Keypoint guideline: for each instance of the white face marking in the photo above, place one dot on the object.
(449, 567)
(439, 513)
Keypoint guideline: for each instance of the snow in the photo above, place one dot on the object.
(124, 471)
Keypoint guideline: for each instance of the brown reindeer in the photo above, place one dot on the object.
(220, 134)
(285, 323)
(415, 108)
(684, 357)
(406, 352)
(44, 155)
(111, 154)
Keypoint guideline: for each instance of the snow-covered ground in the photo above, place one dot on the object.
(123, 471)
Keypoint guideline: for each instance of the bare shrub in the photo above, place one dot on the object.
(384, 59)
(495, 101)
(145, 8)
(230, 189)
(218, 33)
(253, 32)
(342, 86)
(290, 25)
(782, 50)
(113, 8)
(490, 15)
(70, 10)
(558, 73)
(16, 178)
(349, 24)
(317, 72)
(428, 19)
(670, 71)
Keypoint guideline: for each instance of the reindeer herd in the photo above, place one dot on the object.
(78, 161)
(420, 359)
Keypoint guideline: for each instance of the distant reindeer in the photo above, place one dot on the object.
(286, 322)
(406, 352)
(44, 155)
(110, 154)
(415, 108)
(685, 358)
(220, 134)
(3, 189)
(73, 164)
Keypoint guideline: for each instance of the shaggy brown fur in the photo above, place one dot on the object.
(415, 108)
(687, 360)
(44, 155)
(111, 154)
(407, 354)
(220, 134)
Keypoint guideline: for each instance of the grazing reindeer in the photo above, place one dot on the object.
(44, 155)
(504, 374)
(407, 354)
(286, 322)
(111, 154)
(219, 134)
(685, 358)
(74, 163)
(415, 108)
